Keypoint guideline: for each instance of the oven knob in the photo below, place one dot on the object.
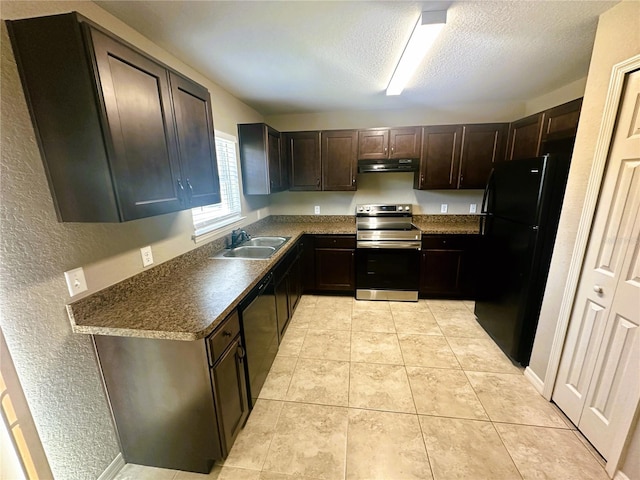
(360, 209)
(368, 209)
(407, 208)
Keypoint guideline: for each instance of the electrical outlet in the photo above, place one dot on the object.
(147, 256)
(473, 207)
(316, 210)
(76, 283)
(443, 208)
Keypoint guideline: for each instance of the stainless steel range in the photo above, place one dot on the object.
(387, 253)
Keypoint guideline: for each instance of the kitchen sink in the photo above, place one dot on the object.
(258, 248)
(250, 251)
(266, 241)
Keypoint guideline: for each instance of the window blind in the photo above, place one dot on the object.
(211, 217)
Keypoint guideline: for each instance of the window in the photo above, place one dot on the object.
(212, 217)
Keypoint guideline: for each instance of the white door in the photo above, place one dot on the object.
(598, 376)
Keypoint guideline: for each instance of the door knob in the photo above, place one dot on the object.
(598, 289)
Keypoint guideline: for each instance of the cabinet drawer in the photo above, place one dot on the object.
(335, 241)
(447, 242)
(224, 335)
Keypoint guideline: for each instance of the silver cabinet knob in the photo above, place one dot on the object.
(598, 289)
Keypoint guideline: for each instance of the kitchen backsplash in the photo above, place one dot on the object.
(376, 188)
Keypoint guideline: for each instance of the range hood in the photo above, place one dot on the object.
(389, 165)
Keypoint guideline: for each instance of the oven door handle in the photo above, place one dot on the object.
(396, 245)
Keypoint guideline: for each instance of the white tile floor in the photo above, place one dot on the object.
(394, 391)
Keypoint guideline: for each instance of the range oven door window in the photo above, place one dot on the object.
(387, 269)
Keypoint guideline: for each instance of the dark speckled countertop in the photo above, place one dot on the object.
(187, 297)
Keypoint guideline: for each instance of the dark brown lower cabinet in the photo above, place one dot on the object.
(281, 288)
(288, 286)
(307, 263)
(176, 404)
(230, 392)
(295, 280)
(447, 267)
(335, 262)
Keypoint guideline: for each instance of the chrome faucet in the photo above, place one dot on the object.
(238, 236)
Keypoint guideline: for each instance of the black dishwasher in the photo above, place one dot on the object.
(260, 330)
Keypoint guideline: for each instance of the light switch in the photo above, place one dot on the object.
(76, 283)
(443, 208)
(473, 207)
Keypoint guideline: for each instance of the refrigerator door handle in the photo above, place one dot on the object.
(485, 196)
(485, 199)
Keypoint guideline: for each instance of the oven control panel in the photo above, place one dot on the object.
(384, 209)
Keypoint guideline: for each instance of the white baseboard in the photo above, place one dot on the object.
(535, 380)
(620, 476)
(113, 469)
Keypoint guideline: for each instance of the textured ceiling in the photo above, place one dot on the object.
(301, 57)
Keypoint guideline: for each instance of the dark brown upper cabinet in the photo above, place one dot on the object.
(264, 167)
(303, 157)
(482, 146)
(440, 160)
(550, 131)
(339, 159)
(196, 143)
(459, 156)
(121, 135)
(525, 137)
(561, 122)
(383, 143)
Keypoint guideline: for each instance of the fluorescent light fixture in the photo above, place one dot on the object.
(424, 34)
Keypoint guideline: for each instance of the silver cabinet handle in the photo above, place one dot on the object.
(181, 193)
(598, 289)
(190, 189)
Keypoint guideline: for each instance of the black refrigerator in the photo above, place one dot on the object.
(521, 208)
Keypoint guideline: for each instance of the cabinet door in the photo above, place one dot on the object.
(482, 146)
(441, 272)
(524, 137)
(281, 290)
(307, 263)
(562, 121)
(196, 145)
(277, 167)
(137, 103)
(263, 166)
(230, 388)
(373, 144)
(303, 156)
(295, 283)
(448, 266)
(405, 142)
(339, 160)
(440, 160)
(335, 263)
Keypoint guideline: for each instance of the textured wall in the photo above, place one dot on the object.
(562, 95)
(57, 368)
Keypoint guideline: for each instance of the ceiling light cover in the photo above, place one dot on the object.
(424, 34)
